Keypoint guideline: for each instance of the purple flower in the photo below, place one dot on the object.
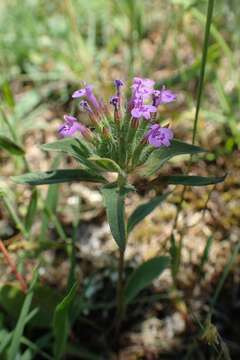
(140, 82)
(142, 87)
(114, 100)
(87, 91)
(118, 84)
(143, 111)
(71, 126)
(158, 136)
(163, 96)
(85, 106)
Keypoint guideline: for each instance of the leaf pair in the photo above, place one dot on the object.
(92, 165)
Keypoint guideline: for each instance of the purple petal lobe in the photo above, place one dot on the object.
(158, 136)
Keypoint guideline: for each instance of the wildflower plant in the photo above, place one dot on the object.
(125, 135)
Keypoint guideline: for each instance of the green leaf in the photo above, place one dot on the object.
(10, 146)
(114, 202)
(18, 332)
(175, 252)
(144, 210)
(105, 164)
(67, 145)
(188, 180)
(5, 338)
(74, 147)
(57, 176)
(63, 145)
(159, 157)
(205, 255)
(45, 299)
(31, 211)
(144, 275)
(50, 203)
(61, 324)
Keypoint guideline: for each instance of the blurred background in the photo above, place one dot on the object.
(47, 48)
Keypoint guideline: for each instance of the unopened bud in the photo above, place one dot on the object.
(106, 133)
(135, 123)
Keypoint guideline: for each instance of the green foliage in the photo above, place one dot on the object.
(188, 180)
(45, 300)
(10, 146)
(105, 164)
(144, 276)
(70, 146)
(160, 156)
(144, 210)
(61, 322)
(53, 49)
(175, 252)
(18, 332)
(205, 254)
(57, 176)
(31, 211)
(51, 202)
(114, 201)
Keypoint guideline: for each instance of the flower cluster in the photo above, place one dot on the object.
(140, 111)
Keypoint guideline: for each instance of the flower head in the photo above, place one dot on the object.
(85, 106)
(140, 82)
(158, 136)
(142, 87)
(88, 93)
(144, 111)
(71, 126)
(114, 100)
(118, 84)
(163, 96)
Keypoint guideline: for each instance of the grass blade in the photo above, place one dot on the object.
(203, 66)
(18, 332)
(61, 322)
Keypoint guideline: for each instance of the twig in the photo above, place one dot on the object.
(13, 267)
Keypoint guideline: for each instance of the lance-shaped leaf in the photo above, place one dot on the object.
(188, 180)
(67, 145)
(74, 147)
(144, 210)
(159, 157)
(31, 211)
(58, 176)
(105, 164)
(10, 146)
(22, 320)
(114, 202)
(61, 324)
(144, 275)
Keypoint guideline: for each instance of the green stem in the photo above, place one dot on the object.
(199, 98)
(203, 66)
(120, 287)
(120, 283)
